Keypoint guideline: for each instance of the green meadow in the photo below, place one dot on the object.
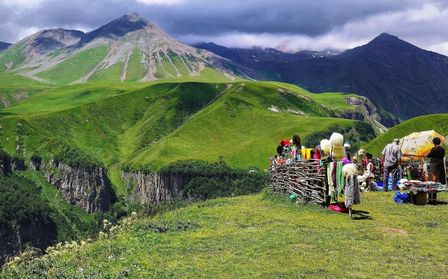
(262, 236)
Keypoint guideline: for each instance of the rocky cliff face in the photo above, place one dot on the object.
(88, 188)
(35, 232)
(367, 111)
(154, 187)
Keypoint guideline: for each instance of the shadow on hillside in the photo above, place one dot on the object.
(361, 215)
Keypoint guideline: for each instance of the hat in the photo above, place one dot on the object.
(284, 142)
(347, 145)
(396, 139)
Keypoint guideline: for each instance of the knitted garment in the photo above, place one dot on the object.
(340, 178)
(352, 194)
(331, 188)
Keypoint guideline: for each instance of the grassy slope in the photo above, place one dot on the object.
(14, 88)
(76, 66)
(239, 128)
(118, 126)
(437, 122)
(252, 237)
(14, 54)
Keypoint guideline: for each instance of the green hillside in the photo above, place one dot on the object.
(437, 122)
(14, 88)
(76, 66)
(261, 236)
(150, 125)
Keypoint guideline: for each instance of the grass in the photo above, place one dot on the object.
(111, 74)
(15, 88)
(75, 67)
(437, 122)
(267, 237)
(152, 124)
(136, 70)
(14, 56)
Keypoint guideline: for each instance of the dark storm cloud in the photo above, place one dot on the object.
(312, 17)
(204, 19)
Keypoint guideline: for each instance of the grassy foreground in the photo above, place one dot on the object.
(264, 236)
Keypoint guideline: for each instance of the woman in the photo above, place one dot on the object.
(436, 168)
(296, 148)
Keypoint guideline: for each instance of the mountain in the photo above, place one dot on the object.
(129, 48)
(396, 75)
(268, 61)
(4, 45)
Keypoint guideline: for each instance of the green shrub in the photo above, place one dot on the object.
(20, 200)
(212, 180)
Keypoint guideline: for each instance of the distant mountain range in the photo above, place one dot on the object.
(129, 48)
(4, 45)
(398, 76)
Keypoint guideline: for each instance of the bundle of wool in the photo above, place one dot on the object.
(336, 139)
(350, 169)
(325, 146)
(338, 152)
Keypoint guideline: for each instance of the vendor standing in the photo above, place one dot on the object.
(436, 166)
(392, 156)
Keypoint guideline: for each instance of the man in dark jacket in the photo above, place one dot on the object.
(436, 166)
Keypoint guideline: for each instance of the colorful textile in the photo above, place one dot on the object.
(331, 188)
(352, 193)
(340, 178)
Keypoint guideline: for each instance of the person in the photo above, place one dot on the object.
(368, 175)
(347, 146)
(436, 166)
(392, 157)
(296, 147)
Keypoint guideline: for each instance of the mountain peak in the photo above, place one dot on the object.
(118, 27)
(133, 16)
(385, 38)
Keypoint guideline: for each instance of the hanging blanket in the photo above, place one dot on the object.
(352, 194)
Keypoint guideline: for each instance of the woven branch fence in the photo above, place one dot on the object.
(306, 179)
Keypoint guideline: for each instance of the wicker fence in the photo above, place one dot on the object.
(306, 179)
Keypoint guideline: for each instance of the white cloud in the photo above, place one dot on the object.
(424, 26)
(29, 4)
(440, 48)
(161, 2)
(25, 32)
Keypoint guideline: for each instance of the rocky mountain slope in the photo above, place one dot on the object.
(397, 76)
(129, 48)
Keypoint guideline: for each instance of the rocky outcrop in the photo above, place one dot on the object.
(34, 231)
(367, 111)
(86, 187)
(154, 187)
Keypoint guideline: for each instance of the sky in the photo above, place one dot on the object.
(288, 25)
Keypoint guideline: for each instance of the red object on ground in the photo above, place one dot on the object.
(338, 207)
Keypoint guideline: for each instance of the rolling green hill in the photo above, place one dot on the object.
(149, 125)
(14, 89)
(437, 122)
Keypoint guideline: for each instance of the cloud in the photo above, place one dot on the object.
(288, 24)
(21, 3)
(160, 2)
